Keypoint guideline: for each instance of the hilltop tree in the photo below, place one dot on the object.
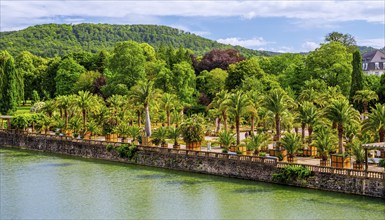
(239, 71)
(217, 58)
(127, 64)
(331, 63)
(68, 73)
(346, 39)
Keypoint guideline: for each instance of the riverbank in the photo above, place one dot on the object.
(237, 166)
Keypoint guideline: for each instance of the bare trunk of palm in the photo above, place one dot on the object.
(252, 124)
(168, 118)
(218, 123)
(278, 126)
(84, 119)
(66, 119)
(139, 117)
(224, 120)
(310, 132)
(303, 125)
(237, 119)
(148, 122)
(341, 149)
(365, 110)
(381, 133)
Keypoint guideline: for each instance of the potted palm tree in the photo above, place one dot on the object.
(123, 130)
(134, 133)
(324, 141)
(291, 142)
(359, 154)
(174, 133)
(192, 131)
(258, 141)
(226, 139)
(160, 135)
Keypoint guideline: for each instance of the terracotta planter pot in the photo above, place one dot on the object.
(292, 159)
(249, 152)
(324, 163)
(358, 166)
(193, 146)
(164, 145)
(340, 161)
(176, 146)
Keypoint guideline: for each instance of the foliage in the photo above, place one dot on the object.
(240, 71)
(9, 90)
(381, 163)
(217, 58)
(358, 151)
(346, 39)
(21, 121)
(325, 141)
(357, 74)
(291, 173)
(134, 132)
(332, 63)
(51, 40)
(174, 133)
(109, 147)
(376, 121)
(161, 134)
(127, 151)
(68, 73)
(226, 139)
(259, 140)
(192, 129)
(292, 142)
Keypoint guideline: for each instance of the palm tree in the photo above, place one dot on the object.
(86, 102)
(238, 105)
(255, 103)
(277, 101)
(365, 96)
(376, 121)
(291, 142)
(308, 115)
(259, 140)
(220, 102)
(226, 139)
(144, 92)
(341, 113)
(324, 141)
(168, 104)
(65, 103)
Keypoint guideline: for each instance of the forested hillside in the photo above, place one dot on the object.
(51, 40)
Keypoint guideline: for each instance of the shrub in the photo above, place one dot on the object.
(291, 173)
(109, 147)
(127, 151)
(381, 163)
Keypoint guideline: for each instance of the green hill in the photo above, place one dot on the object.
(57, 39)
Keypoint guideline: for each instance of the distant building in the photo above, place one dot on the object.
(373, 62)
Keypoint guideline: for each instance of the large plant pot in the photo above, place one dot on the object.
(233, 148)
(340, 161)
(272, 152)
(324, 163)
(164, 145)
(250, 152)
(358, 166)
(291, 159)
(176, 146)
(87, 135)
(311, 151)
(193, 146)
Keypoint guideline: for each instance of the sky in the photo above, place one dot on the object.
(280, 26)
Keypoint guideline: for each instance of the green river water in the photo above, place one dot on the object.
(44, 186)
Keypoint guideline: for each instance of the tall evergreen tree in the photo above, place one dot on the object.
(357, 75)
(9, 93)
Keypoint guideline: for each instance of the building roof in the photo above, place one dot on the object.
(373, 56)
(380, 145)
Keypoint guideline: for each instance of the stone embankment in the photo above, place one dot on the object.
(237, 166)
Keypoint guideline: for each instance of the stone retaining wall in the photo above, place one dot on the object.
(162, 158)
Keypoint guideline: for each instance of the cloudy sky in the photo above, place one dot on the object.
(284, 26)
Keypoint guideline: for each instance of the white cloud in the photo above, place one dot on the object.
(376, 43)
(309, 46)
(249, 43)
(16, 14)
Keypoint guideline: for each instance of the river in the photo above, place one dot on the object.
(45, 186)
